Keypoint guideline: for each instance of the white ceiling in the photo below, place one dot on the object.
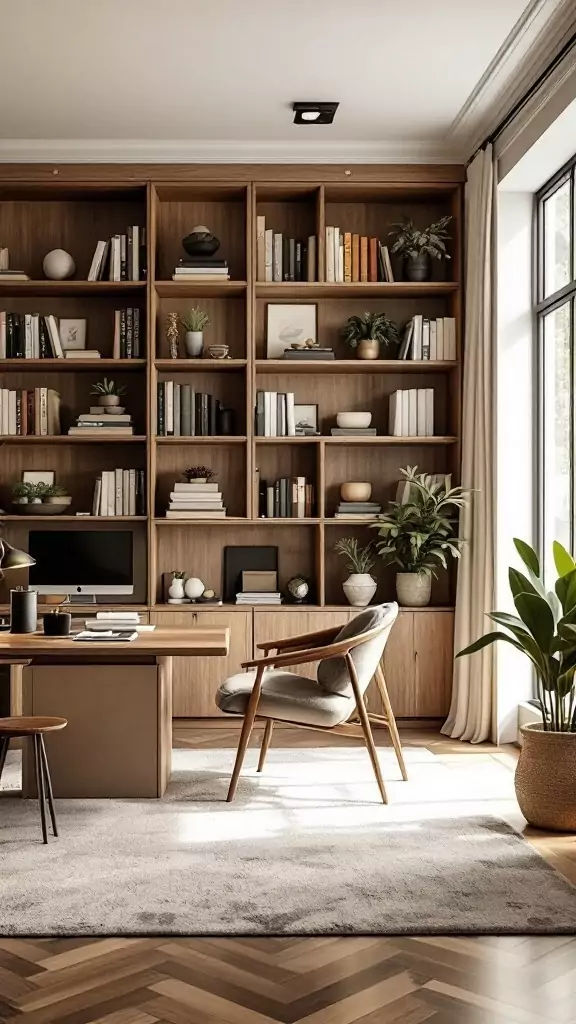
(223, 73)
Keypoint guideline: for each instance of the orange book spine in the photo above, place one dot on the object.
(373, 260)
(347, 257)
(363, 258)
(355, 257)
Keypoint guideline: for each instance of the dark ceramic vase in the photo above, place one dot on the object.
(57, 623)
(226, 422)
(200, 243)
(418, 268)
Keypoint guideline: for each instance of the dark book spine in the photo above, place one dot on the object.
(161, 410)
(140, 492)
(129, 334)
(285, 258)
(44, 343)
(143, 255)
(136, 314)
(123, 268)
(205, 416)
(31, 413)
(122, 334)
(260, 414)
(129, 254)
(277, 499)
(262, 498)
(10, 347)
(214, 405)
(292, 259)
(298, 262)
(282, 498)
(19, 413)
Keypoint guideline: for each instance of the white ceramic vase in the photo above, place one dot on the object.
(413, 589)
(194, 343)
(359, 588)
(176, 589)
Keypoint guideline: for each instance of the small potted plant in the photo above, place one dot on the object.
(194, 321)
(367, 333)
(360, 586)
(419, 247)
(419, 535)
(198, 474)
(108, 393)
(176, 589)
(54, 494)
(26, 494)
(544, 630)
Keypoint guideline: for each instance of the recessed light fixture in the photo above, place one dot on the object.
(314, 113)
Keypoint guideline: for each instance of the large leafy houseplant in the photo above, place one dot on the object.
(375, 328)
(420, 534)
(419, 246)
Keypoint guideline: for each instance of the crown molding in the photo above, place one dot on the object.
(173, 151)
(533, 42)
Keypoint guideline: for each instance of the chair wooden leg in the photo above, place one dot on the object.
(394, 734)
(365, 723)
(40, 785)
(48, 784)
(265, 743)
(4, 744)
(247, 726)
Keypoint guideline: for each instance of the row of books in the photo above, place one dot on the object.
(429, 339)
(351, 257)
(275, 414)
(98, 423)
(208, 269)
(120, 258)
(29, 336)
(120, 492)
(184, 412)
(357, 511)
(412, 413)
(127, 343)
(279, 258)
(35, 412)
(286, 498)
(196, 500)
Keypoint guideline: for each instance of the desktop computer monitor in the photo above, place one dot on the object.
(79, 562)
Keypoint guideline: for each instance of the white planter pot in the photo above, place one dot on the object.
(193, 343)
(359, 588)
(413, 589)
(176, 589)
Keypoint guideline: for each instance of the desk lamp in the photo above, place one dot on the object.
(23, 603)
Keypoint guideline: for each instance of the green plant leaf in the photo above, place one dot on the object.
(566, 591)
(528, 556)
(520, 584)
(562, 559)
(489, 638)
(536, 614)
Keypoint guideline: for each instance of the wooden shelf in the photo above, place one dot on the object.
(67, 439)
(71, 287)
(287, 440)
(199, 439)
(222, 521)
(191, 289)
(71, 364)
(379, 439)
(203, 365)
(73, 519)
(356, 289)
(369, 366)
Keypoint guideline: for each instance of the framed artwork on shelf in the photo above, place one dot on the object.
(72, 334)
(38, 476)
(287, 325)
(306, 419)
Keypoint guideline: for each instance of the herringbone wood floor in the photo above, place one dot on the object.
(317, 981)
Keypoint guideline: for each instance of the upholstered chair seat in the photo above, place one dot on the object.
(285, 697)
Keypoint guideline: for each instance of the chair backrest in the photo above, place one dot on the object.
(377, 621)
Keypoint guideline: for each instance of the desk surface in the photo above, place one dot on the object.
(213, 641)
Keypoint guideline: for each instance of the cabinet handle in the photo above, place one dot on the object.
(194, 617)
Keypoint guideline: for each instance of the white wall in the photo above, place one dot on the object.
(515, 410)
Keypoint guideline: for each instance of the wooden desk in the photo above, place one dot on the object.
(118, 702)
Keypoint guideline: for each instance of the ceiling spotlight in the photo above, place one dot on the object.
(314, 113)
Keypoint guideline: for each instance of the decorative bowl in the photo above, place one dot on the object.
(218, 351)
(114, 410)
(354, 419)
(43, 508)
(355, 490)
(58, 499)
(200, 242)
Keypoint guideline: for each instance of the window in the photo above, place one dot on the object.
(556, 317)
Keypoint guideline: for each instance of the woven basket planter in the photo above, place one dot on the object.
(546, 779)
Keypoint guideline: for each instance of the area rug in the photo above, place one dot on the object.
(305, 849)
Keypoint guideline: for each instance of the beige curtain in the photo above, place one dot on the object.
(470, 715)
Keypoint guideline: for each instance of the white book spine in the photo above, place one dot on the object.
(118, 497)
(290, 417)
(2, 335)
(405, 413)
(28, 336)
(277, 269)
(433, 346)
(177, 420)
(412, 412)
(421, 401)
(135, 252)
(131, 492)
(429, 412)
(104, 493)
(301, 497)
(269, 240)
(273, 414)
(267, 419)
(125, 492)
(97, 496)
(442, 344)
(341, 262)
(169, 412)
(336, 244)
(111, 492)
(12, 413)
(260, 248)
(330, 254)
(417, 340)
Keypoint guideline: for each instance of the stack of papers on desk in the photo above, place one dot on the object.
(103, 636)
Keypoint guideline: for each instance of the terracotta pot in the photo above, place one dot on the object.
(545, 778)
(368, 349)
(355, 490)
(413, 589)
(359, 588)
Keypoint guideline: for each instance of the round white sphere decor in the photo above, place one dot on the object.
(58, 265)
(193, 588)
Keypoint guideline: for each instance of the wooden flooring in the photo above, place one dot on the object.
(509, 980)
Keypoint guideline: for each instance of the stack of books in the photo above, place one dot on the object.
(184, 412)
(358, 511)
(308, 353)
(287, 498)
(29, 336)
(353, 431)
(35, 412)
(113, 620)
(259, 597)
(97, 423)
(275, 414)
(412, 413)
(283, 259)
(205, 269)
(196, 500)
(429, 339)
(351, 257)
(120, 258)
(126, 343)
(120, 492)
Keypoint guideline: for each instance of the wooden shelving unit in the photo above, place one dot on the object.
(72, 207)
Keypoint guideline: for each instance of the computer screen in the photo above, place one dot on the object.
(87, 560)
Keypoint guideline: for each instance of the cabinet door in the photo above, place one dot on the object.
(434, 660)
(279, 625)
(399, 670)
(195, 680)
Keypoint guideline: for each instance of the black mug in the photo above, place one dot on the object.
(57, 623)
(226, 422)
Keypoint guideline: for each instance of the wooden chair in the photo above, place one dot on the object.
(34, 727)
(349, 658)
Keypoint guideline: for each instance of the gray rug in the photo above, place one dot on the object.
(305, 849)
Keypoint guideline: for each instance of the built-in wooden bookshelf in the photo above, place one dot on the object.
(71, 207)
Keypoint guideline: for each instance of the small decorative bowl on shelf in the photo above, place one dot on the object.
(40, 508)
(219, 351)
(40, 499)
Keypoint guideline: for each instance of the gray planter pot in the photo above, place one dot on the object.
(193, 343)
(413, 589)
(418, 268)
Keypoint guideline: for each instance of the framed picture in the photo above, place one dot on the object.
(38, 476)
(306, 418)
(287, 324)
(72, 334)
